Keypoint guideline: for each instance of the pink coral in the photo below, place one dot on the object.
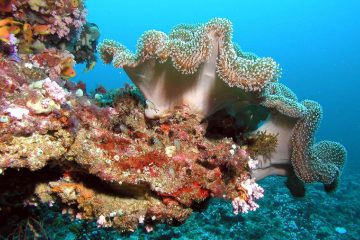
(101, 221)
(62, 24)
(253, 191)
(17, 112)
(55, 91)
(253, 163)
(59, 26)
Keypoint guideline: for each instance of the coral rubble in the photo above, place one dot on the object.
(209, 120)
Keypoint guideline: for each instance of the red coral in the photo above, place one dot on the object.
(168, 201)
(101, 90)
(10, 77)
(50, 58)
(81, 85)
(153, 158)
(189, 193)
(112, 144)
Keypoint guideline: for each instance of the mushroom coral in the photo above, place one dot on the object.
(319, 162)
(195, 65)
(296, 154)
(199, 66)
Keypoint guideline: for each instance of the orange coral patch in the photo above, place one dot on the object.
(151, 158)
(84, 193)
(190, 193)
(41, 29)
(165, 128)
(113, 144)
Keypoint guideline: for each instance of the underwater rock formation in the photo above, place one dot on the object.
(204, 125)
(113, 164)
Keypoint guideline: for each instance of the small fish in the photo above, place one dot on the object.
(14, 29)
(8, 21)
(27, 33)
(68, 72)
(42, 29)
(5, 34)
(74, 3)
(90, 66)
(8, 27)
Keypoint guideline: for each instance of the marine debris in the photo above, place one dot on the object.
(204, 120)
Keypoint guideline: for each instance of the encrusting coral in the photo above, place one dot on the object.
(169, 162)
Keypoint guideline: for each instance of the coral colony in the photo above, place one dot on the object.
(204, 120)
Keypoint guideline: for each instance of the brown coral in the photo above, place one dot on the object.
(262, 143)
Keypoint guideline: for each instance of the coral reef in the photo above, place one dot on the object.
(205, 120)
(36, 25)
(156, 170)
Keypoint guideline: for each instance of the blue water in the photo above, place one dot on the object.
(315, 42)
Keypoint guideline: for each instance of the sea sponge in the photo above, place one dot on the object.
(195, 65)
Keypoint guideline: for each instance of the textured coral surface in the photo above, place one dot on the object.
(152, 170)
